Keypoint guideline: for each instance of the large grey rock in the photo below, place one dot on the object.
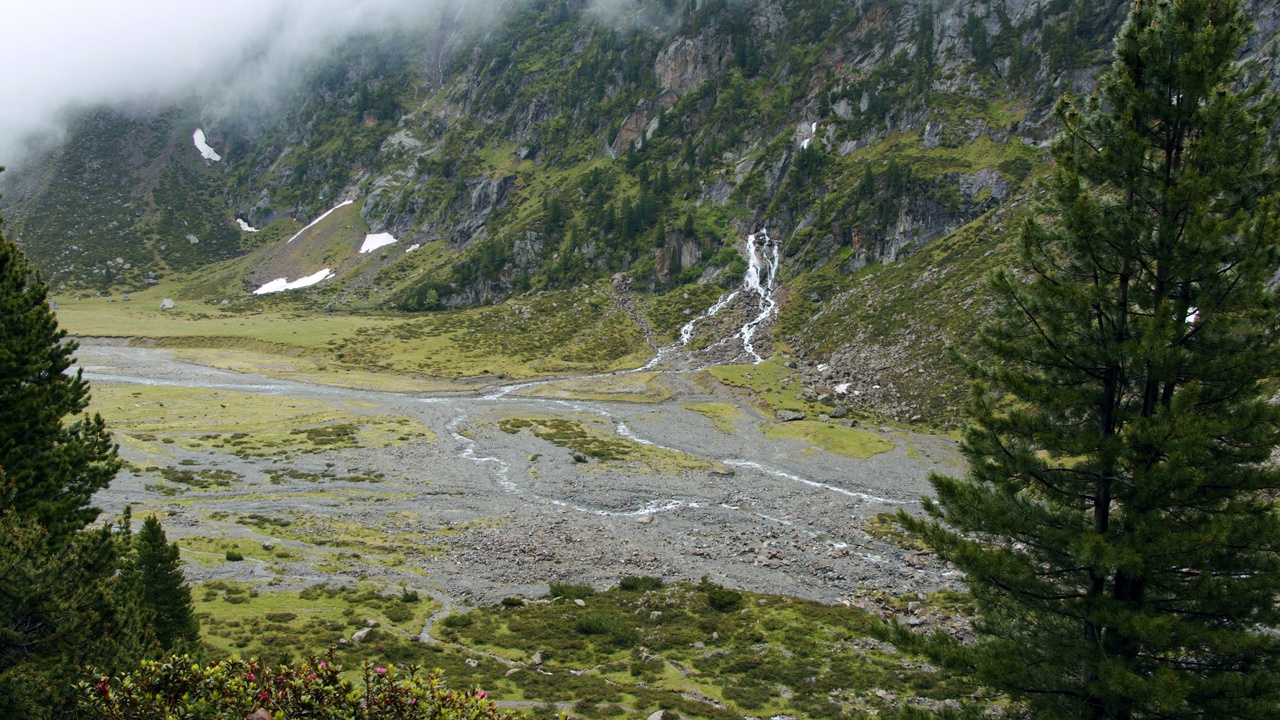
(359, 635)
(166, 304)
(789, 415)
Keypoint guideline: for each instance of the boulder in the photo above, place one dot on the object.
(789, 415)
(838, 412)
(166, 304)
(536, 659)
(358, 636)
(579, 602)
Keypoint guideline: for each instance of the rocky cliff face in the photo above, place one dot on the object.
(559, 146)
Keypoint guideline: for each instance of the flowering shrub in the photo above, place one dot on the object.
(180, 688)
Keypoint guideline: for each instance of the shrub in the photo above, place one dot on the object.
(457, 620)
(723, 599)
(234, 556)
(398, 612)
(633, 583)
(178, 687)
(512, 602)
(409, 597)
(575, 591)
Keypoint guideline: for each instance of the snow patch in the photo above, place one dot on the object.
(245, 226)
(375, 241)
(842, 388)
(206, 152)
(317, 220)
(412, 247)
(280, 284)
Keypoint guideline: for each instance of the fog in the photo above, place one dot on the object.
(57, 54)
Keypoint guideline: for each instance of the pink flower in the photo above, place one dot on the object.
(482, 694)
(311, 677)
(324, 664)
(251, 676)
(380, 671)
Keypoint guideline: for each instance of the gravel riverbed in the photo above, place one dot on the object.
(479, 514)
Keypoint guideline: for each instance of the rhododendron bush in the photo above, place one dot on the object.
(181, 688)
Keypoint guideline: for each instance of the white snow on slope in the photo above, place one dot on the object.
(280, 284)
(373, 242)
(245, 226)
(206, 152)
(317, 220)
(412, 247)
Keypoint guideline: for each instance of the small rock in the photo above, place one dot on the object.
(167, 304)
(722, 472)
(913, 606)
(659, 715)
(699, 644)
(536, 659)
(655, 614)
(268, 546)
(371, 623)
(789, 415)
(512, 671)
(838, 412)
(579, 602)
(359, 635)
(472, 663)
(646, 520)
(259, 714)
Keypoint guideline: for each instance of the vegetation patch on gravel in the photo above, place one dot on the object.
(850, 442)
(590, 444)
(246, 424)
(722, 415)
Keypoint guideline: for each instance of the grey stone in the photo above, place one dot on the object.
(789, 415)
(359, 635)
(166, 304)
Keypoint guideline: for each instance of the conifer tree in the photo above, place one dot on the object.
(162, 588)
(1117, 525)
(54, 466)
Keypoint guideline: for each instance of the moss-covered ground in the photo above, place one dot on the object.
(701, 650)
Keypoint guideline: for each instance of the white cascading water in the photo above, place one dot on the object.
(762, 254)
(768, 303)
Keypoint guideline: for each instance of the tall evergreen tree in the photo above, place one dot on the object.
(162, 588)
(1117, 525)
(54, 466)
(63, 607)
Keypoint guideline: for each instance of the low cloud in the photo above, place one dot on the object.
(67, 53)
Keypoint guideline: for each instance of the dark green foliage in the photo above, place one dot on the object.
(639, 583)
(723, 599)
(573, 591)
(162, 588)
(63, 606)
(53, 466)
(1117, 526)
(234, 556)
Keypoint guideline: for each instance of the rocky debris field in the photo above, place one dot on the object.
(478, 507)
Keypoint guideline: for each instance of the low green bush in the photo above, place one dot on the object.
(178, 687)
(234, 556)
(573, 591)
(634, 583)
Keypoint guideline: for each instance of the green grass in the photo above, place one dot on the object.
(850, 442)
(722, 415)
(776, 386)
(245, 424)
